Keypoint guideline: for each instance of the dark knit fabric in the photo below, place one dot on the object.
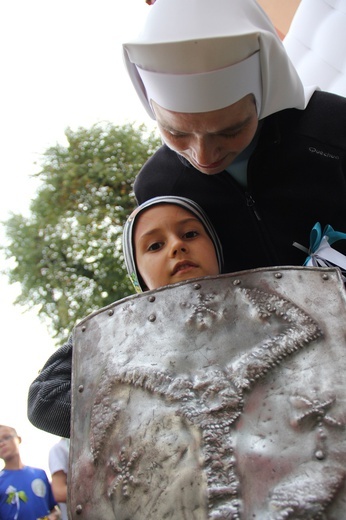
(49, 400)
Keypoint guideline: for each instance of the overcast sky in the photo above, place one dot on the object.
(61, 67)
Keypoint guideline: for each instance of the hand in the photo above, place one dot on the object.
(55, 514)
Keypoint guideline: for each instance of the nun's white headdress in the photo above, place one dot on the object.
(202, 55)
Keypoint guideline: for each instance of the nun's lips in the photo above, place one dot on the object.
(215, 167)
(211, 165)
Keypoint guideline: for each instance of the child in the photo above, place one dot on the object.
(25, 491)
(166, 240)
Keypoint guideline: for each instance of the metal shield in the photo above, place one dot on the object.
(217, 398)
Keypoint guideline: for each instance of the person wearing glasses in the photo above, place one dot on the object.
(25, 491)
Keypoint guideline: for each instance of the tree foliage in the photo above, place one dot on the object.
(67, 253)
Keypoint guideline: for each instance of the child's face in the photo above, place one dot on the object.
(171, 245)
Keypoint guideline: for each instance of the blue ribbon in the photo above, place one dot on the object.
(316, 236)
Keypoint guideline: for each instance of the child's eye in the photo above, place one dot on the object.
(191, 234)
(155, 246)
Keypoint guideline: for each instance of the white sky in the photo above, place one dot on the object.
(61, 66)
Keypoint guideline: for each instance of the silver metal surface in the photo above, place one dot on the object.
(222, 398)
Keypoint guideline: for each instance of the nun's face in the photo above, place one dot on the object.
(210, 141)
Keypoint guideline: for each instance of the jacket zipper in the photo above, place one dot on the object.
(268, 247)
(250, 202)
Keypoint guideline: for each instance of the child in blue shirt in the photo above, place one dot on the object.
(25, 492)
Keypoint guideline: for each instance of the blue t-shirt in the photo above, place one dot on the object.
(25, 494)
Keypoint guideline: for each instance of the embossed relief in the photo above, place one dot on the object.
(307, 494)
(171, 440)
(212, 400)
(312, 412)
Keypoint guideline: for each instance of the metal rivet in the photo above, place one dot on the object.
(236, 282)
(79, 509)
(197, 286)
(110, 312)
(325, 277)
(278, 275)
(152, 317)
(83, 328)
(319, 455)
(80, 388)
(151, 299)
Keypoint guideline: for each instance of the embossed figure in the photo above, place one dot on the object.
(314, 413)
(211, 400)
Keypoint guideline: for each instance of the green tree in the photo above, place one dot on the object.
(67, 253)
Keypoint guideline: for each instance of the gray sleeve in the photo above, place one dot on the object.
(49, 398)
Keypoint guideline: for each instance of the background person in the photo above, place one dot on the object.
(58, 461)
(25, 492)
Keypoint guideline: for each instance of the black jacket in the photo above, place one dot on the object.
(296, 177)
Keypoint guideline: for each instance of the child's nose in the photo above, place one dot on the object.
(178, 245)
